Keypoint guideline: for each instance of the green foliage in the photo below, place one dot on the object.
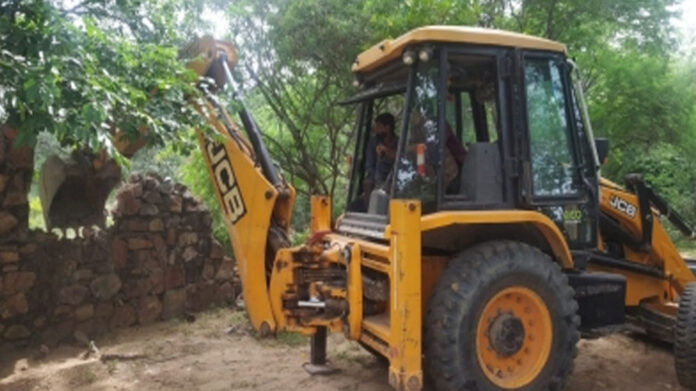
(299, 54)
(81, 73)
(194, 173)
(641, 100)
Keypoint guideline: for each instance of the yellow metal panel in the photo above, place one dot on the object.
(281, 279)
(405, 321)
(675, 267)
(378, 325)
(202, 55)
(320, 214)
(379, 266)
(546, 227)
(662, 252)
(355, 293)
(389, 49)
(247, 201)
(609, 190)
(374, 343)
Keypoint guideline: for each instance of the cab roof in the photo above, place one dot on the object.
(390, 49)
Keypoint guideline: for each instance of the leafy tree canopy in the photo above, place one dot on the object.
(79, 71)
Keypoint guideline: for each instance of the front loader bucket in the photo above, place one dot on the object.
(73, 190)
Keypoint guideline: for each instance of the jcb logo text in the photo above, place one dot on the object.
(622, 206)
(227, 185)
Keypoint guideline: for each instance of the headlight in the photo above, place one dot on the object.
(425, 54)
(409, 57)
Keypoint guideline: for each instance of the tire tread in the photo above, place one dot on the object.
(454, 295)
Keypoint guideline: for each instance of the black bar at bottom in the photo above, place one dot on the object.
(318, 347)
(626, 265)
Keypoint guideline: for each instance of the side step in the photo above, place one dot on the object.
(656, 324)
(600, 298)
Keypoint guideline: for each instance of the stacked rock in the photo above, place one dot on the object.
(157, 261)
(164, 248)
(16, 169)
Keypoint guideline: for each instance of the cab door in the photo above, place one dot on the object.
(558, 176)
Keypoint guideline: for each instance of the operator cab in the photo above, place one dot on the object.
(485, 119)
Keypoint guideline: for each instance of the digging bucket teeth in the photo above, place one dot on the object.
(73, 190)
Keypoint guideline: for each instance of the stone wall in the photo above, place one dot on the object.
(16, 169)
(157, 261)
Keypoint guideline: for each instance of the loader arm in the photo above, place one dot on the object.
(637, 246)
(253, 196)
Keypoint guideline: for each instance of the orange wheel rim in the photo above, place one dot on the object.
(513, 337)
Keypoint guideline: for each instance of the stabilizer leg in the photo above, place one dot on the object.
(318, 364)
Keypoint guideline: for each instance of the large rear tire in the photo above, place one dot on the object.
(502, 317)
(685, 338)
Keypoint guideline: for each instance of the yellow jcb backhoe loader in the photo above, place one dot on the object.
(483, 268)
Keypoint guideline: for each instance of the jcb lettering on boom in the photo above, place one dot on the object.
(622, 206)
(226, 182)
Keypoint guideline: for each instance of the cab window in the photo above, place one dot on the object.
(472, 109)
(419, 160)
(554, 172)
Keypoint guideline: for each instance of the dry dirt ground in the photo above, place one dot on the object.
(218, 352)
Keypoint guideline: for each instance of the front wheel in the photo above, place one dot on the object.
(502, 317)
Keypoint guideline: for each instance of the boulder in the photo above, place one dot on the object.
(156, 280)
(200, 296)
(13, 306)
(16, 331)
(149, 210)
(216, 250)
(156, 225)
(152, 196)
(82, 275)
(171, 236)
(9, 256)
(105, 287)
(84, 312)
(123, 316)
(149, 310)
(208, 271)
(137, 225)
(17, 282)
(127, 202)
(174, 277)
(189, 254)
(138, 243)
(225, 293)
(187, 239)
(174, 203)
(7, 222)
(225, 272)
(119, 253)
(72, 294)
(25, 280)
(173, 304)
(103, 309)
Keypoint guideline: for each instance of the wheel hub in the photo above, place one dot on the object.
(514, 337)
(506, 334)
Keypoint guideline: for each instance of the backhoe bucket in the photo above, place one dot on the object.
(73, 191)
